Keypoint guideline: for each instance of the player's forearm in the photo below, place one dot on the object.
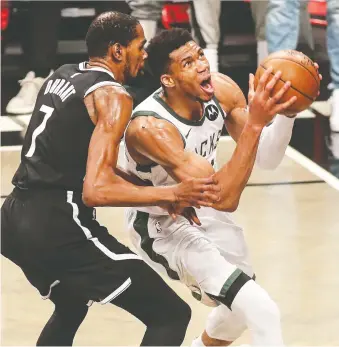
(273, 142)
(120, 193)
(130, 177)
(234, 175)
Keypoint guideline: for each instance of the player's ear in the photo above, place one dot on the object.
(117, 51)
(167, 81)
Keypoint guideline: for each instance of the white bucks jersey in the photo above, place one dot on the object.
(200, 137)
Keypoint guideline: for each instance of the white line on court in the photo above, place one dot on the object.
(308, 164)
(313, 167)
(290, 152)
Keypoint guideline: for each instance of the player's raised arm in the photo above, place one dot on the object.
(274, 138)
(111, 108)
(234, 175)
(148, 138)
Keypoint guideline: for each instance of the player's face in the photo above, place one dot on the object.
(136, 53)
(190, 71)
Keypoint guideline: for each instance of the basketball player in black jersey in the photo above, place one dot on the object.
(68, 166)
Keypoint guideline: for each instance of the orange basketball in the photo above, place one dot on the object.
(297, 68)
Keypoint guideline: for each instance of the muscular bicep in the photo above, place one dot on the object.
(112, 108)
(161, 142)
(233, 102)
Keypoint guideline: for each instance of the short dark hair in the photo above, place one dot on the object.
(109, 28)
(162, 45)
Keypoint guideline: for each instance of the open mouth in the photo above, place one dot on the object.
(206, 86)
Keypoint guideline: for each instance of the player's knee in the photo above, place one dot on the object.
(258, 307)
(268, 310)
(173, 314)
(70, 312)
(223, 325)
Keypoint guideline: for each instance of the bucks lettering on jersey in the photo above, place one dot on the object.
(201, 137)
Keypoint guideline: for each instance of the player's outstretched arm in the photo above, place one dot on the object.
(234, 175)
(110, 109)
(274, 138)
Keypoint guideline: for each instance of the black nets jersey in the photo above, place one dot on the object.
(55, 148)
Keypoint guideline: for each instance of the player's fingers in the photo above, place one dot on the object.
(317, 67)
(211, 197)
(215, 179)
(215, 188)
(271, 84)
(275, 99)
(173, 216)
(195, 219)
(205, 203)
(204, 181)
(251, 83)
(263, 80)
(281, 107)
(196, 202)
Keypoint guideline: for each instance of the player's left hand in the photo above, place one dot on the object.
(187, 212)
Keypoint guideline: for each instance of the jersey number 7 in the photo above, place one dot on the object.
(48, 112)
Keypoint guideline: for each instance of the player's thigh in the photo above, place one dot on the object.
(230, 240)
(183, 249)
(200, 261)
(150, 299)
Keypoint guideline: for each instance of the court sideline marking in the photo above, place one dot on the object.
(292, 153)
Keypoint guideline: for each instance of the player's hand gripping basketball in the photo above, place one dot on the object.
(262, 105)
(196, 192)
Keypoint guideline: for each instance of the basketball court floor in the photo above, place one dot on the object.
(291, 221)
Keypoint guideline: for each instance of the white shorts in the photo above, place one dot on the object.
(208, 259)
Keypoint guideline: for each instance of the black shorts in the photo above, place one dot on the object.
(55, 240)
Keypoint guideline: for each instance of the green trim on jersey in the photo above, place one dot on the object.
(140, 225)
(175, 115)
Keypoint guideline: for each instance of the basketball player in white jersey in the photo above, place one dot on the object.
(174, 134)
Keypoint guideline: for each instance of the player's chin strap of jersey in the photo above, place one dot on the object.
(273, 142)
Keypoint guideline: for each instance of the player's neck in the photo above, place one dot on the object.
(110, 66)
(183, 106)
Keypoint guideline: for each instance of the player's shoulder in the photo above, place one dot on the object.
(225, 89)
(149, 125)
(66, 68)
(222, 81)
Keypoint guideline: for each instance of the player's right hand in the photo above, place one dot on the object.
(263, 106)
(196, 192)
